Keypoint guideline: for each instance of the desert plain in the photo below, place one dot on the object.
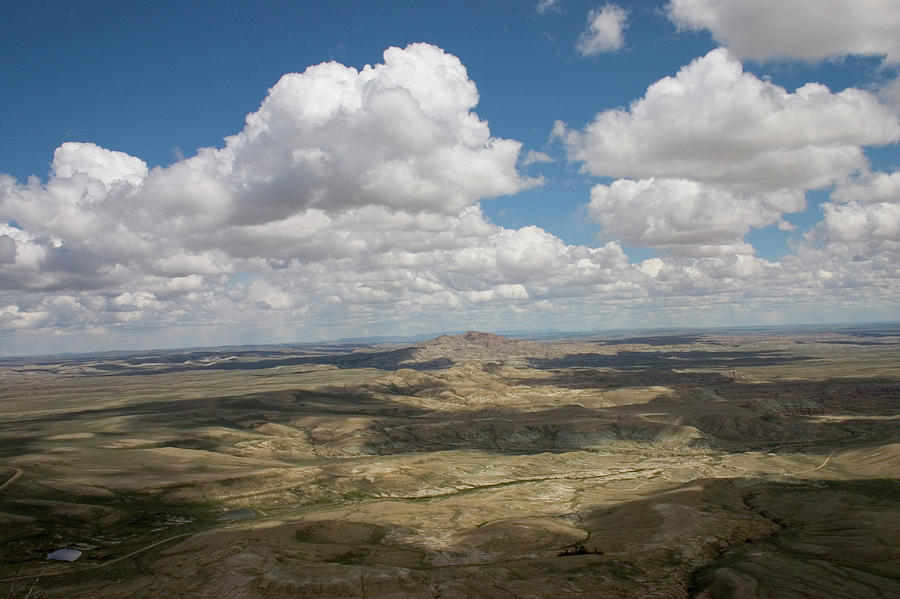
(752, 463)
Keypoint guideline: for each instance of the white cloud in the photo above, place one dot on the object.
(12, 317)
(874, 187)
(687, 217)
(135, 300)
(890, 94)
(72, 159)
(543, 6)
(714, 122)
(349, 195)
(354, 197)
(651, 267)
(864, 215)
(499, 293)
(534, 157)
(7, 249)
(328, 150)
(269, 296)
(858, 222)
(803, 29)
(399, 134)
(605, 31)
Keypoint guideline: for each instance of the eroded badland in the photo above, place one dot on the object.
(703, 465)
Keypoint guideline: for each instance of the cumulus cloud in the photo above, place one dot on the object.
(71, 160)
(7, 249)
(12, 317)
(349, 195)
(688, 217)
(397, 141)
(802, 29)
(499, 293)
(354, 196)
(874, 187)
(713, 151)
(714, 122)
(890, 94)
(863, 222)
(864, 215)
(605, 31)
(399, 134)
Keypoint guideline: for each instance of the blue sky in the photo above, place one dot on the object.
(608, 223)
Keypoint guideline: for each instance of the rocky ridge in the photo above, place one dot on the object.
(446, 350)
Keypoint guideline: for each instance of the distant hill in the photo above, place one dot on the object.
(474, 345)
(445, 350)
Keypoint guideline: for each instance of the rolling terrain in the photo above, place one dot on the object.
(719, 464)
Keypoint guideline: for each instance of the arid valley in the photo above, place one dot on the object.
(740, 463)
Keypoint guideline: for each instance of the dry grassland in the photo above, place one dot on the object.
(701, 465)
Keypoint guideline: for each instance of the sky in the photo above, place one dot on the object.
(213, 173)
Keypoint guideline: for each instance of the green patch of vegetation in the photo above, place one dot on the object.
(307, 534)
(321, 500)
(377, 536)
(878, 488)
